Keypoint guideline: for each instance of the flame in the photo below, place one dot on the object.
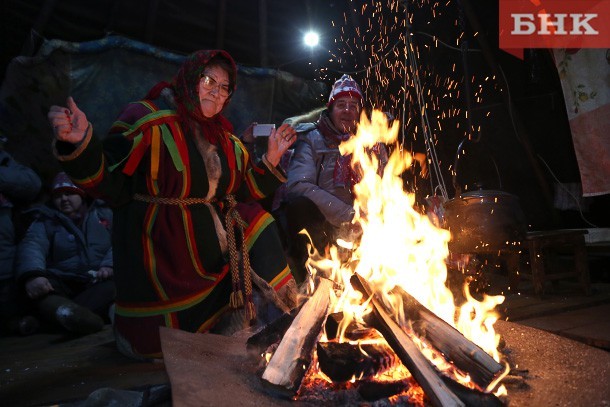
(398, 246)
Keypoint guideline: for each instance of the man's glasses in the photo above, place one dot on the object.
(341, 105)
(210, 83)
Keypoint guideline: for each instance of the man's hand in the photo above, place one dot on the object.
(37, 287)
(104, 273)
(69, 123)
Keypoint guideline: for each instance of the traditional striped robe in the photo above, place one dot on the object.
(170, 269)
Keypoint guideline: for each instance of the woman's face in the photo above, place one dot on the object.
(68, 203)
(213, 90)
(345, 113)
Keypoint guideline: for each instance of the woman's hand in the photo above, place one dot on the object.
(279, 141)
(69, 123)
(37, 287)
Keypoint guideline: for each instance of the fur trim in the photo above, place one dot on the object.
(211, 160)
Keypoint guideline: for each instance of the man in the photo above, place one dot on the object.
(65, 260)
(319, 190)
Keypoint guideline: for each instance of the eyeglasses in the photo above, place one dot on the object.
(210, 83)
(342, 105)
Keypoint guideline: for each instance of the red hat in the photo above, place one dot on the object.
(345, 86)
(63, 183)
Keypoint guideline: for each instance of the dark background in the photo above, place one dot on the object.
(516, 106)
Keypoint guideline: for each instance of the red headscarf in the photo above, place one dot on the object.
(185, 85)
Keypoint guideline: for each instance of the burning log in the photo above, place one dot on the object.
(291, 360)
(421, 369)
(374, 390)
(343, 361)
(353, 332)
(472, 397)
(463, 353)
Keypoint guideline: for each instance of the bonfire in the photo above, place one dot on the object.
(378, 308)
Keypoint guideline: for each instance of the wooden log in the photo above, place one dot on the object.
(268, 292)
(375, 390)
(421, 369)
(343, 361)
(463, 353)
(353, 332)
(271, 333)
(472, 397)
(284, 373)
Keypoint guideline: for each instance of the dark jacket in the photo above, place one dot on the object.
(18, 185)
(54, 246)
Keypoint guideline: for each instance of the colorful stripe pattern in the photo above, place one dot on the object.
(173, 286)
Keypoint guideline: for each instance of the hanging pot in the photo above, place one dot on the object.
(484, 220)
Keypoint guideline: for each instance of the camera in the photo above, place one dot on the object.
(262, 130)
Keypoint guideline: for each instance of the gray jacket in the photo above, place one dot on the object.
(18, 185)
(311, 174)
(54, 246)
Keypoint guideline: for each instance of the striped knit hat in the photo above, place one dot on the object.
(63, 183)
(344, 86)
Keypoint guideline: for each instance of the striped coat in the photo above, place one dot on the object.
(167, 194)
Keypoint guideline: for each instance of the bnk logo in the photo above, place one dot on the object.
(548, 24)
(553, 24)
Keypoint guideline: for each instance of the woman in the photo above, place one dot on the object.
(173, 172)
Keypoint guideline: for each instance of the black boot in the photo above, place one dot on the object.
(73, 317)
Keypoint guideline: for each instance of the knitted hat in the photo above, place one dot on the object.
(62, 183)
(345, 86)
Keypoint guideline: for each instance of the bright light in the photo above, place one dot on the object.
(311, 39)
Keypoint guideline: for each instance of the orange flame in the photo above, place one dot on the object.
(398, 247)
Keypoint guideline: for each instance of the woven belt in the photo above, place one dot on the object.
(233, 221)
(170, 201)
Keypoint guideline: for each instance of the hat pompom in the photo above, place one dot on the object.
(344, 86)
(63, 183)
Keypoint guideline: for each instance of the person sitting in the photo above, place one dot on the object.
(64, 261)
(189, 236)
(19, 186)
(319, 195)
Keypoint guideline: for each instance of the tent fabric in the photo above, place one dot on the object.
(104, 75)
(585, 80)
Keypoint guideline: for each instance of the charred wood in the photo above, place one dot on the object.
(291, 360)
(472, 397)
(463, 353)
(269, 293)
(343, 361)
(271, 333)
(353, 332)
(421, 369)
(376, 390)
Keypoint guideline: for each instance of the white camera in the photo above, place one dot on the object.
(262, 130)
